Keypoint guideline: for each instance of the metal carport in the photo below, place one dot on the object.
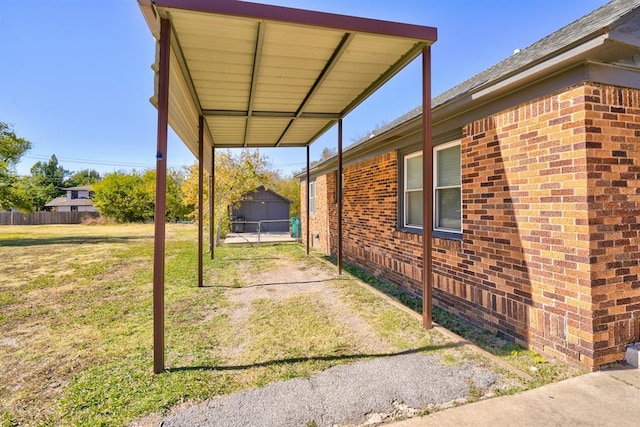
(234, 74)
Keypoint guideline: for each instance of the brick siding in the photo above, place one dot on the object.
(319, 222)
(612, 142)
(550, 254)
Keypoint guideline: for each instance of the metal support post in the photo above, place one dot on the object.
(339, 196)
(307, 202)
(161, 198)
(427, 191)
(200, 198)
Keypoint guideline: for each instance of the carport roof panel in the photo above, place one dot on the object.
(253, 67)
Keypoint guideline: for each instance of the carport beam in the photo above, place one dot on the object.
(200, 197)
(339, 196)
(427, 193)
(161, 197)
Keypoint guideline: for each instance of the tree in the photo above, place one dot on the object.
(130, 197)
(236, 175)
(327, 153)
(123, 197)
(46, 183)
(190, 192)
(289, 188)
(177, 208)
(82, 177)
(12, 148)
(376, 130)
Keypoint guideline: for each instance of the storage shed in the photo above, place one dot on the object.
(262, 207)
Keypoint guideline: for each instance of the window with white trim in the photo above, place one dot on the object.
(447, 193)
(312, 198)
(447, 200)
(413, 190)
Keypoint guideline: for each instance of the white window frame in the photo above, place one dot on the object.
(405, 191)
(436, 208)
(312, 197)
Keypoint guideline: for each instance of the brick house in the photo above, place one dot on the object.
(536, 194)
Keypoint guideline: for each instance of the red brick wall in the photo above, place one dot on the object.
(551, 216)
(319, 222)
(370, 236)
(551, 219)
(612, 135)
(523, 268)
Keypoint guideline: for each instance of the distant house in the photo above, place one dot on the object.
(261, 205)
(78, 199)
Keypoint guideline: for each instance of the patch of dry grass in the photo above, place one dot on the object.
(47, 283)
(76, 323)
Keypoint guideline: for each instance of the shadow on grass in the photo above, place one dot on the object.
(294, 360)
(497, 344)
(264, 285)
(70, 240)
(247, 259)
(257, 244)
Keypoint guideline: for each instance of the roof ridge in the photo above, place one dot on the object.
(601, 17)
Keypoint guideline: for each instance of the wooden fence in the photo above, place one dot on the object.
(40, 218)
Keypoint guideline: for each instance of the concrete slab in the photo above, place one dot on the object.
(239, 238)
(632, 355)
(604, 398)
(629, 376)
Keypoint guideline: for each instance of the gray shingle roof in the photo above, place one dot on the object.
(63, 201)
(598, 22)
(572, 34)
(578, 31)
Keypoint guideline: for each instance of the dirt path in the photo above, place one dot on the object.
(286, 280)
(395, 385)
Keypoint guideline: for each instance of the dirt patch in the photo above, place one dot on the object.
(286, 280)
(280, 282)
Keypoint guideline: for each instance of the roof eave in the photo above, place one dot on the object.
(150, 17)
(516, 80)
(480, 95)
(300, 16)
(362, 147)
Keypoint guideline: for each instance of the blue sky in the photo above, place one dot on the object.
(75, 76)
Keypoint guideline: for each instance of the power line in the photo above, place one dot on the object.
(124, 164)
(90, 162)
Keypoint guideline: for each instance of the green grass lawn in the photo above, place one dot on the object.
(76, 323)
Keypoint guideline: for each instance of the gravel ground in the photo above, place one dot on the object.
(368, 392)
